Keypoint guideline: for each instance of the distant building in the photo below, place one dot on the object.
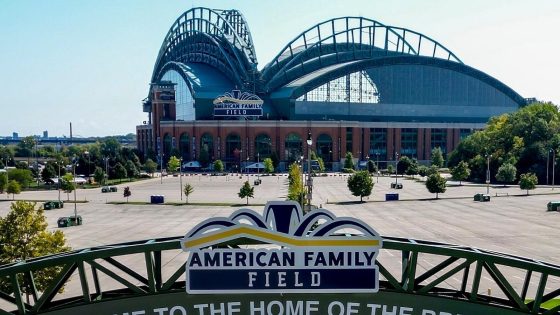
(15, 136)
(353, 84)
(45, 134)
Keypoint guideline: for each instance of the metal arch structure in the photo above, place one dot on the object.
(218, 38)
(347, 39)
(351, 67)
(181, 69)
(241, 27)
(97, 270)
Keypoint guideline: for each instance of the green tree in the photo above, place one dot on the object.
(461, 172)
(127, 193)
(349, 161)
(98, 175)
(110, 147)
(522, 138)
(218, 166)
(371, 167)
(3, 182)
(360, 184)
(120, 171)
(173, 164)
(275, 159)
(24, 235)
(22, 176)
(131, 169)
(315, 157)
(436, 184)
(67, 184)
(437, 157)
(246, 191)
(390, 169)
(404, 164)
(150, 166)
(204, 157)
(188, 190)
(296, 190)
(506, 173)
(528, 181)
(268, 165)
(48, 172)
(423, 170)
(13, 188)
(6, 154)
(25, 147)
(412, 168)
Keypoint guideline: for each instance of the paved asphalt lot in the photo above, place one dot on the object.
(511, 223)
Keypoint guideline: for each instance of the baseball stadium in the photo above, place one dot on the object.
(349, 84)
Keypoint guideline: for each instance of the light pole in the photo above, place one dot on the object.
(302, 192)
(160, 168)
(240, 169)
(58, 180)
(74, 164)
(89, 166)
(258, 167)
(309, 179)
(8, 177)
(377, 164)
(246, 168)
(547, 165)
(106, 177)
(488, 173)
(181, 178)
(553, 166)
(396, 168)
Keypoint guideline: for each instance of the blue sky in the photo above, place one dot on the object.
(89, 62)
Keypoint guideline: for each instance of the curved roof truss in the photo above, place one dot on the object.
(357, 38)
(312, 81)
(225, 27)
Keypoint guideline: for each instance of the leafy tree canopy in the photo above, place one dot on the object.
(173, 164)
(506, 173)
(150, 166)
(461, 172)
(188, 190)
(13, 188)
(24, 235)
(360, 184)
(268, 165)
(349, 161)
(22, 176)
(437, 157)
(523, 138)
(3, 182)
(246, 191)
(436, 184)
(218, 166)
(528, 181)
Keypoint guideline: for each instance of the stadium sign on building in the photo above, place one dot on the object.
(238, 104)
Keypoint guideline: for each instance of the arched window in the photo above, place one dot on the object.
(263, 146)
(184, 146)
(293, 147)
(233, 145)
(324, 147)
